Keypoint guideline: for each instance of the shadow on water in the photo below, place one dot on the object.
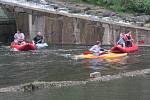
(54, 64)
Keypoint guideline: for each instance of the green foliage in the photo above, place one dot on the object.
(138, 6)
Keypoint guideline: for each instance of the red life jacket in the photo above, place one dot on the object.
(125, 38)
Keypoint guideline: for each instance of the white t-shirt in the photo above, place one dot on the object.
(19, 36)
(95, 49)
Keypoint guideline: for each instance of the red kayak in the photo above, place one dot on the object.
(23, 47)
(120, 49)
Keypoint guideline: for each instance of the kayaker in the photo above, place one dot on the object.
(97, 49)
(129, 39)
(122, 40)
(39, 38)
(19, 37)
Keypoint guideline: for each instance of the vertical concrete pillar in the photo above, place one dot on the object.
(30, 27)
(38, 25)
(115, 34)
(137, 37)
(76, 32)
(107, 35)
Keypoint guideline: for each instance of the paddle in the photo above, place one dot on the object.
(99, 52)
(39, 41)
(104, 52)
(87, 52)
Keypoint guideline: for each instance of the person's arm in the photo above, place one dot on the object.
(39, 39)
(131, 37)
(92, 48)
(119, 40)
(15, 36)
(23, 36)
(35, 39)
(42, 39)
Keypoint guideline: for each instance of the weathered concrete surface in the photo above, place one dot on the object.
(66, 30)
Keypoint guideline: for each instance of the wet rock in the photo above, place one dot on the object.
(143, 18)
(95, 74)
(108, 14)
(75, 11)
(28, 87)
(147, 25)
(43, 2)
(121, 75)
(139, 24)
(128, 19)
(55, 7)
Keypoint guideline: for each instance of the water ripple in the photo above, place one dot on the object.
(40, 85)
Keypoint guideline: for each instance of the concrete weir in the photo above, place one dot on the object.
(29, 87)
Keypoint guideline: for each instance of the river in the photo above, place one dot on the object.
(55, 64)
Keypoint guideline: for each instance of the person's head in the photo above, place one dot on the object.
(39, 33)
(121, 34)
(98, 43)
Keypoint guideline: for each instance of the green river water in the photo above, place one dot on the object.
(55, 63)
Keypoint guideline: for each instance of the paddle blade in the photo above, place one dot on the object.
(87, 52)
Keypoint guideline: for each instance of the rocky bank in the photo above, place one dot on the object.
(137, 19)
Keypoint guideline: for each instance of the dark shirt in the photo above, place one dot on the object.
(38, 39)
(129, 37)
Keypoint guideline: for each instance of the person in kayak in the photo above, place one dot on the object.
(122, 40)
(129, 39)
(97, 49)
(19, 37)
(39, 38)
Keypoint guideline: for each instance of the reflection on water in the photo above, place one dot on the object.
(109, 65)
(55, 64)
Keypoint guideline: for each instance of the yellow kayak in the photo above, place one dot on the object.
(109, 55)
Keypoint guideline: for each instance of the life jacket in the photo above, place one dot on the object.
(125, 38)
(129, 37)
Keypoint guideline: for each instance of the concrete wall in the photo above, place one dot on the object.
(7, 26)
(59, 29)
(7, 30)
(22, 22)
(65, 30)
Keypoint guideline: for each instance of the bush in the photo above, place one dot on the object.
(138, 6)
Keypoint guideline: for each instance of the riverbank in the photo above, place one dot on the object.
(138, 19)
(77, 23)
